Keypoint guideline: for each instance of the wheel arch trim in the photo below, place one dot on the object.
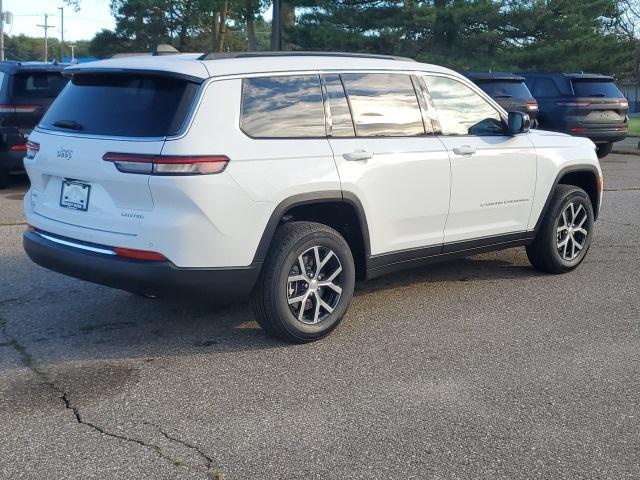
(585, 168)
(311, 198)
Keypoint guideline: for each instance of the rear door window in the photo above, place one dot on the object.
(283, 107)
(128, 105)
(505, 89)
(591, 88)
(383, 104)
(37, 84)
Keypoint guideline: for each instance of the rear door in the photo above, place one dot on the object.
(97, 114)
(493, 174)
(398, 170)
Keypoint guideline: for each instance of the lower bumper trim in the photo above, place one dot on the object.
(138, 276)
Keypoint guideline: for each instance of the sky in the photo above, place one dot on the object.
(94, 15)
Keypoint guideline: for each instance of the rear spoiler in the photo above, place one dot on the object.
(71, 72)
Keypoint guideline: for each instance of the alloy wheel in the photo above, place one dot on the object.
(314, 285)
(571, 231)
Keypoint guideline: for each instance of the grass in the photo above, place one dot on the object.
(634, 126)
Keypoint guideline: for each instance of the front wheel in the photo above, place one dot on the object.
(566, 232)
(306, 283)
(604, 149)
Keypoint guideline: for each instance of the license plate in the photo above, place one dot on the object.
(75, 195)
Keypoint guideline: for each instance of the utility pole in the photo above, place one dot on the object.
(73, 53)
(46, 27)
(276, 26)
(61, 32)
(1, 33)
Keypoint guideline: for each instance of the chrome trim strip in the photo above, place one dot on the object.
(76, 245)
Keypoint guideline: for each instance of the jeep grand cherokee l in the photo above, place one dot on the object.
(26, 91)
(581, 104)
(286, 177)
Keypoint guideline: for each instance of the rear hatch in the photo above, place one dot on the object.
(512, 95)
(99, 113)
(597, 103)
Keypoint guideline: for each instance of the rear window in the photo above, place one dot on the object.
(590, 88)
(122, 105)
(37, 84)
(505, 89)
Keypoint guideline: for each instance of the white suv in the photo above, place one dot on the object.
(289, 176)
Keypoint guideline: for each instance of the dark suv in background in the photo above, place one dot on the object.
(509, 90)
(581, 104)
(26, 91)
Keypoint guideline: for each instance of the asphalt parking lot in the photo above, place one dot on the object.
(480, 368)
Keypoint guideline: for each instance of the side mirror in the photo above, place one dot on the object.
(518, 122)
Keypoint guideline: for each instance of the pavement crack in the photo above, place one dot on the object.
(28, 361)
(212, 471)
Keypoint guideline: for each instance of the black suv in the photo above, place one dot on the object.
(581, 104)
(26, 91)
(509, 90)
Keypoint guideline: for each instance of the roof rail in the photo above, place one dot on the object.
(299, 53)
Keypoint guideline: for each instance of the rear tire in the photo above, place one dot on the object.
(306, 283)
(566, 232)
(604, 149)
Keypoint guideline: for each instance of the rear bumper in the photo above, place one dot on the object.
(143, 277)
(11, 161)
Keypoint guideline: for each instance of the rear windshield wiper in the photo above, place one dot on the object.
(600, 95)
(503, 96)
(68, 124)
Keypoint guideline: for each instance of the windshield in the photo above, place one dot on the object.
(596, 88)
(505, 89)
(117, 104)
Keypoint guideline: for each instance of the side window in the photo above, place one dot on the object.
(341, 121)
(545, 88)
(383, 105)
(282, 107)
(461, 110)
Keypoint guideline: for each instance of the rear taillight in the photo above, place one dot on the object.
(167, 164)
(19, 108)
(19, 148)
(573, 103)
(32, 148)
(623, 103)
(532, 105)
(139, 254)
(578, 130)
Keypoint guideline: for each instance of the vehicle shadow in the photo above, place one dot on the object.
(61, 319)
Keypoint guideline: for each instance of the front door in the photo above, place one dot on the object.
(493, 173)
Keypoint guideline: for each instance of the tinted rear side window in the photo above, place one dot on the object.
(505, 89)
(37, 84)
(383, 104)
(122, 105)
(544, 88)
(587, 88)
(282, 107)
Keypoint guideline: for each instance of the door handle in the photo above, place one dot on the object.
(358, 155)
(464, 150)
